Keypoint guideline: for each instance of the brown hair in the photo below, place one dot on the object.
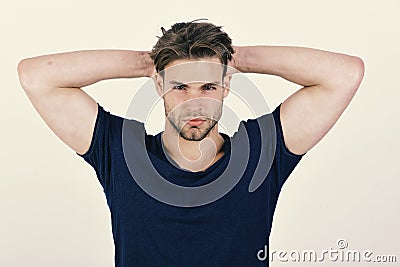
(191, 40)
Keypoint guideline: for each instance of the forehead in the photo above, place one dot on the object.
(189, 71)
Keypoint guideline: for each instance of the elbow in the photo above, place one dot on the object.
(357, 72)
(349, 76)
(23, 74)
(28, 74)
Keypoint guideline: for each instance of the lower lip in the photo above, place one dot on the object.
(195, 122)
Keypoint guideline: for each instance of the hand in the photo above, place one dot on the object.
(233, 65)
(152, 72)
(149, 69)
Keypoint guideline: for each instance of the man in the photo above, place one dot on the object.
(191, 65)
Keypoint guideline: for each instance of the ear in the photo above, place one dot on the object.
(227, 83)
(158, 81)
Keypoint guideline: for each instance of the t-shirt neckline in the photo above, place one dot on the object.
(226, 147)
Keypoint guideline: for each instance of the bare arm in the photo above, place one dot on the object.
(329, 80)
(53, 85)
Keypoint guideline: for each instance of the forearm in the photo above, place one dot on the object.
(83, 68)
(303, 66)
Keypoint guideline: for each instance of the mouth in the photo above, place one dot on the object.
(195, 122)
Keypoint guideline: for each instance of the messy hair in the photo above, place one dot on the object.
(191, 40)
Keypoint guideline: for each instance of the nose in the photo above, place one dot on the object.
(193, 92)
(194, 99)
(194, 103)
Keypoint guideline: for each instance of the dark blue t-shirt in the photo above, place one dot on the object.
(227, 232)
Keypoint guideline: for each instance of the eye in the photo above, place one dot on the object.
(179, 86)
(209, 86)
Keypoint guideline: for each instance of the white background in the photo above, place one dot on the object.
(53, 211)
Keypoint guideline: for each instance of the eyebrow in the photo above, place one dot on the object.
(181, 83)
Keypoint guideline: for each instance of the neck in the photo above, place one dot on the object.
(193, 155)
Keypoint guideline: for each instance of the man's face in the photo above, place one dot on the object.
(193, 93)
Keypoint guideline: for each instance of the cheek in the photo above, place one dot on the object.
(213, 103)
(170, 104)
(174, 99)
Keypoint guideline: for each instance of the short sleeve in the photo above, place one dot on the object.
(99, 152)
(285, 160)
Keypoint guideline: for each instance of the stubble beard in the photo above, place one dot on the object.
(193, 133)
